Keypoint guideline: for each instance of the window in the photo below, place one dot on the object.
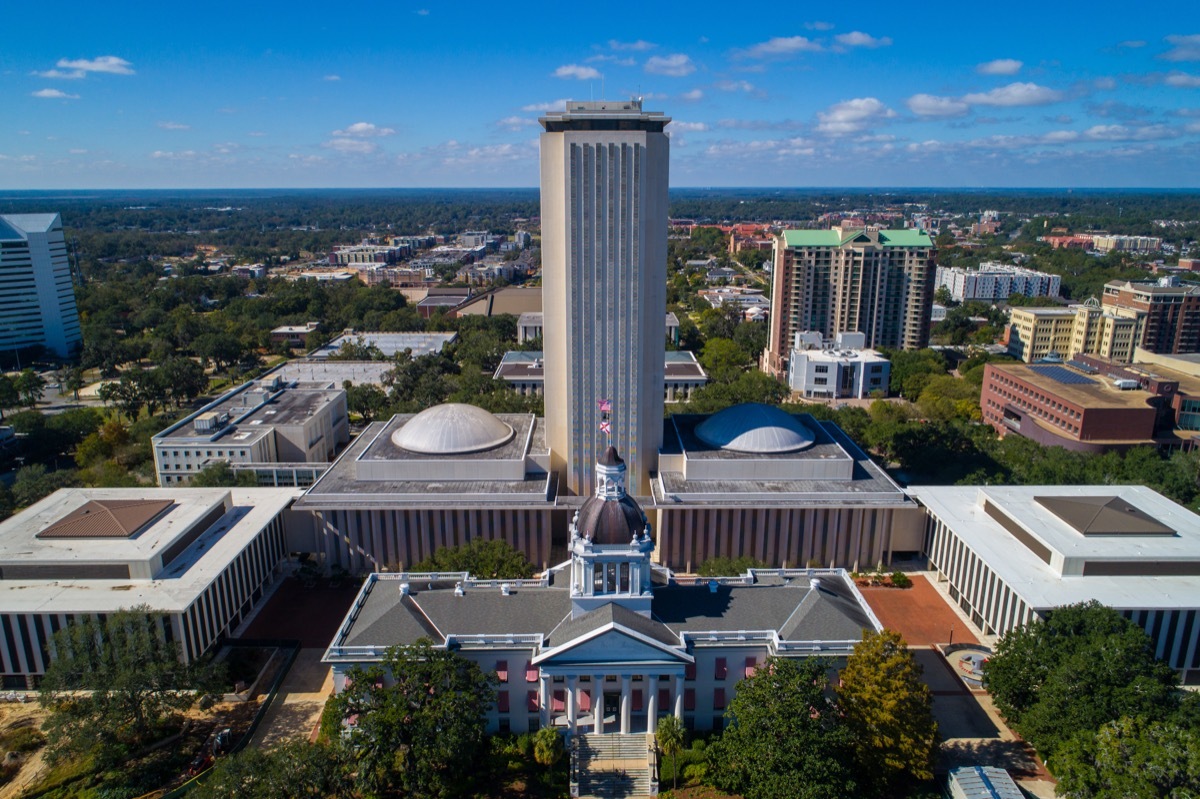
(720, 669)
(637, 702)
(664, 700)
(558, 701)
(689, 671)
(531, 672)
(502, 670)
(719, 699)
(531, 701)
(689, 699)
(751, 666)
(585, 701)
(502, 701)
(821, 369)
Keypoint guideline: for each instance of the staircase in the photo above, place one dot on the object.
(614, 766)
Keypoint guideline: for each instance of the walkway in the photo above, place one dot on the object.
(614, 766)
(296, 712)
(921, 614)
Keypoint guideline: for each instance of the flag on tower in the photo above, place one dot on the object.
(606, 427)
(605, 406)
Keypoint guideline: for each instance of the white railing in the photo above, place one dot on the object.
(494, 640)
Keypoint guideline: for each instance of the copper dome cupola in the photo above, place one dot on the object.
(610, 516)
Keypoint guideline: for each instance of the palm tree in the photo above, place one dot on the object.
(547, 746)
(669, 738)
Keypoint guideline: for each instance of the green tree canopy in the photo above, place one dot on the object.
(294, 770)
(496, 559)
(1082, 667)
(1130, 759)
(133, 679)
(222, 475)
(785, 738)
(889, 711)
(670, 736)
(729, 567)
(419, 720)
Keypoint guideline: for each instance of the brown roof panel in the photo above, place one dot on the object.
(107, 518)
(1103, 516)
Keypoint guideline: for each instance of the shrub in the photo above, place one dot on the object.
(901, 580)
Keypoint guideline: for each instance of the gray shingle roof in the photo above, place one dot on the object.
(571, 629)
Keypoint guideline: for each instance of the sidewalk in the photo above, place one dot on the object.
(296, 711)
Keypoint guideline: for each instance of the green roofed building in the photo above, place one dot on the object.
(850, 279)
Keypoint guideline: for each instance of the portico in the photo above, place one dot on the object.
(609, 701)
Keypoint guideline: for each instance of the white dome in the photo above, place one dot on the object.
(452, 429)
(752, 427)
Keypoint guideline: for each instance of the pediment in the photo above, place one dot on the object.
(613, 643)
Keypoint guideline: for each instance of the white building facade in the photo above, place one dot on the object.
(844, 367)
(604, 168)
(37, 294)
(993, 281)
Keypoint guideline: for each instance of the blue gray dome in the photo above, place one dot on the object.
(452, 429)
(755, 428)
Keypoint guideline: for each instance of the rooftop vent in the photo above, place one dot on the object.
(404, 589)
(210, 421)
(712, 586)
(505, 589)
(458, 590)
(815, 584)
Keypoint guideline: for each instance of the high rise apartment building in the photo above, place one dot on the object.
(850, 279)
(1170, 311)
(604, 252)
(37, 295)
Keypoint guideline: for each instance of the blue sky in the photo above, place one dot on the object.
(262, 94)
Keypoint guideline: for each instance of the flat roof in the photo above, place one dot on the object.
(1099, 393)
(836, 237)
(250, 418)
(390, 343)
(187, 576)
(1044, 585)
(531, 365)
(333, 372)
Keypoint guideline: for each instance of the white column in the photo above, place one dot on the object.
(679, 696)
(598, 702)
(572, 713)
(626, 704)
(545, 700)
(652, 704)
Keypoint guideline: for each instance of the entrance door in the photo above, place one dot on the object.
(612, 709)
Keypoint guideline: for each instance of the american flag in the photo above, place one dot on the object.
(606, 427)
(605, 406)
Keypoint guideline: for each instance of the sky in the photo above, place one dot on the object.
(268, 94)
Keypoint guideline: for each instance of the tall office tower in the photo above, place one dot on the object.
(604, 278)
(37, 296)
(850, 279)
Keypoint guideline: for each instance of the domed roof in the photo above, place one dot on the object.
(611, 521)
(452, 429)
(756, 428)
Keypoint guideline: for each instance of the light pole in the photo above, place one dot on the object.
(951, 637)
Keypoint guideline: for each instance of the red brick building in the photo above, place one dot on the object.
(1170, 311)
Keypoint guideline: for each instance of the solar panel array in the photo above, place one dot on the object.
(1063, 375)
(1083, 367)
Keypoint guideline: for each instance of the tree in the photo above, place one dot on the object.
(547, 747)
(1130, 759)
(185, 379)
(31, 386)
(9, 396)
(724, 360)
(222, 475)
(366, 399)
(1082, 667)
(889, 711)
(785, 738)
(71, 379)
(420, 717)
(942, 295)
(496, 559)
(132, 680)
(292, 770)
(669, 737)
(729, 567)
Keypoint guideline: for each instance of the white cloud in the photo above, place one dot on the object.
(1104, 84)
(1183, 80)
(784, 46)
(734, 85)
(1001, 66)
(615, 60)
(640, 45)
(693, 96)
(577, 72)
(851, 116)
(363, 130)
(860, 39)
(928, 105)
(355, 146)
(53, 94)
(818, 26)
(516, 123)
(174, 126)
(1015, 94)
(1125, 133)
(73, 69)
(422, 12)
(183, 155)
(759, 149)
(1060, 136)
(332, 77)
(553, 105)
(676, 65)
(689, 127)
(1184, 48)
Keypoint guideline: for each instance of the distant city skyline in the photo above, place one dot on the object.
(430, 95)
